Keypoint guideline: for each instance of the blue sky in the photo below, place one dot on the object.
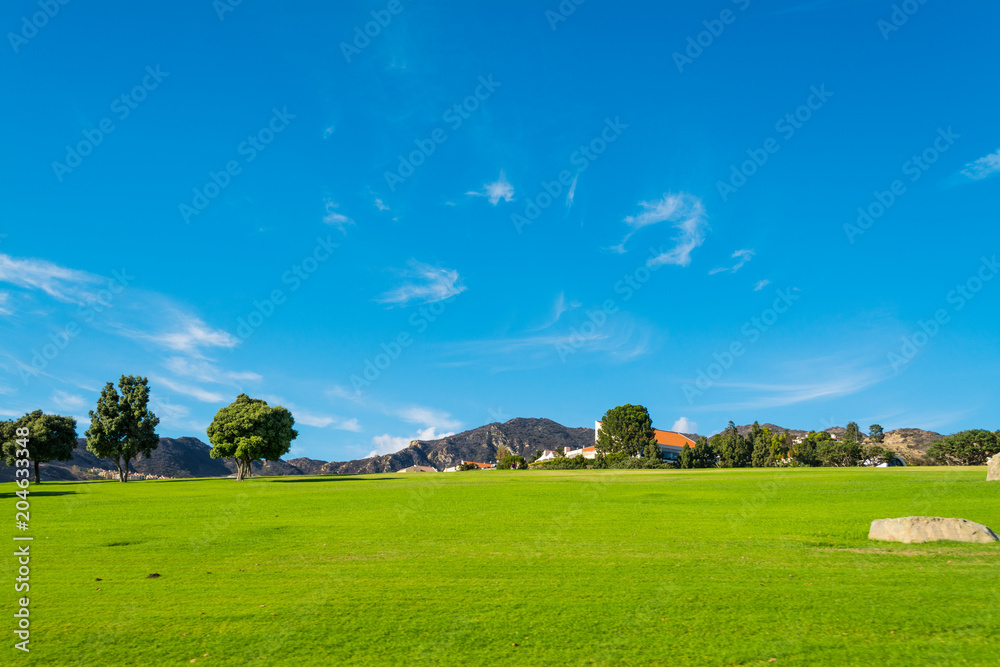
(782, 211)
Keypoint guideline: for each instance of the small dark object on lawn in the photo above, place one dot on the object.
(152, 576)
(98, 579)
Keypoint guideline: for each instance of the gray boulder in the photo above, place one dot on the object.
(993, 471)
(914, 529)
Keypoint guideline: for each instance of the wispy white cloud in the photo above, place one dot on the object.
(741, 257)
(324, 421)
(390, 444)
(349, 425)
(66, 401)
(338, 392)
(428, 284)
(5, 304)
(761, 284)
(571, 195)
(65, 285)
(497, 190)
(205, 371)
(774, 395)
(416, 414)
(169, 412)
(686, 214)
(621, 339)
(310, 418)
(983, 167)
(193, 391)
(684, 425)
(560, 307)
(335, 218)
(187, 334)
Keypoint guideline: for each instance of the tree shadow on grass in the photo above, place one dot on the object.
(39, 493)
(330, 478)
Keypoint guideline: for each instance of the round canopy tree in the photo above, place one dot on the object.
(248, 430)
(53, 438)
(627, 429)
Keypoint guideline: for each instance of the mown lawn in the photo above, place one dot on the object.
(707, 567)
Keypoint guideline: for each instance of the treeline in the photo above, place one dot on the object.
(761, 448)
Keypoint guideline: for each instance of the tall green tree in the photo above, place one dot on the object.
(627, 429)
(249, 430)
(686, 459)
(876, 434)
(734, 450)
(760, 447)
(123, 427)
(778, 443)
(852, 433)
(705, 455)
(52, 438)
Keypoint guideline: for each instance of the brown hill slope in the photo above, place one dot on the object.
(522, 436)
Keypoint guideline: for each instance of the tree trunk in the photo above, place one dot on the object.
(38, 478)
(122, 470)
(242, 467)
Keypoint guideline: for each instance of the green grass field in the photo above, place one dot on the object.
(709, 567)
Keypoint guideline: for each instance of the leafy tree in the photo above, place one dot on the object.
(626, 429)
(840, 453)
(705, 455)
(123, 426)
(876, 434)
(967, 448)
(852, 433)
(537, 455)
(653, 452)
(465, 467)
(249, 430)
(808, 452)
(686, 460)
(777, 444)
(734, 450)
(512, 462)
(760, 456)
(503, 451)
(52, 438)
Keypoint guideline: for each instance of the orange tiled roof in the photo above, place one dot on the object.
(672, 439)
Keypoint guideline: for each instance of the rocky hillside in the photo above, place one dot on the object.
(522, 436)
(911, 444)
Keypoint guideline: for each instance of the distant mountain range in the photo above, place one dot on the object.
(189, 457)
